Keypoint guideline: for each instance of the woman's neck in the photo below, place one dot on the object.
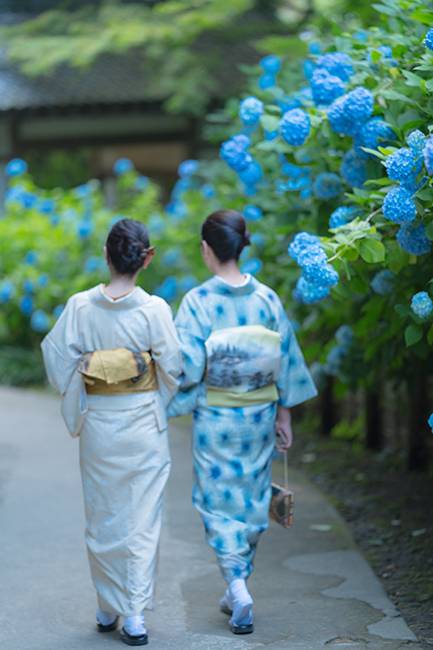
(120, 285)
(230, 273)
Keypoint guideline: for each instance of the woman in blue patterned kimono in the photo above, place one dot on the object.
(243, 372)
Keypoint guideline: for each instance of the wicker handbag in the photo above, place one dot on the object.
(282, 500)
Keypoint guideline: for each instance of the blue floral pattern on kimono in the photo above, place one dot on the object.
(233, 446)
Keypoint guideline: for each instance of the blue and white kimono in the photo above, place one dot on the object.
(241, 359)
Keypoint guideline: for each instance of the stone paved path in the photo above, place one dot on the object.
(312, 587)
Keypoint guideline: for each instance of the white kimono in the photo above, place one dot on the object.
(124, 454)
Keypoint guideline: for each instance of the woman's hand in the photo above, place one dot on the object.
(283, 429)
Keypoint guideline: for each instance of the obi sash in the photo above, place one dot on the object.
(118, 371)
(242, 366)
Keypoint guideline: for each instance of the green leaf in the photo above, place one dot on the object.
(412, 335)
(422, 16)
(430, 335)
(372, 251)
(270, 122)
(429, 230)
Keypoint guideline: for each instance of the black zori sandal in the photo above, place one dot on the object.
(107, 628)
(133, 640)
(242, 629)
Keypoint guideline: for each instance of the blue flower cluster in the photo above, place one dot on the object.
(271, 66)
(250, 111)
(325, 87)
(40, 321)
(252, 266)
(421, 305)
(188, 168)
(399, 206)
(327, 185)
(295, 126)
(413, 239)
(317, 275)
(403, 166)
(337, 355)
(383, 282)
(428, 40)
(343, 215)
(338, 64)
(373, 133)
(16, 167)
(348, 112)
(428, 155)
(353, 169)
(416, 141)
(235, 153)
(168, 288)
(252, 213)
(123, 166)
(7, 291)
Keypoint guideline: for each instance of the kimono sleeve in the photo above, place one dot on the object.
(295, 384)
(193, 328)
(61, 348)
(164, 344)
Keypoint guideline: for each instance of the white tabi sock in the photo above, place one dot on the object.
(134, 625)
(105, 618)
(242, 603)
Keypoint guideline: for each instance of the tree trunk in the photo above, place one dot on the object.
(328, 407)
(374, 438)
(418, 448)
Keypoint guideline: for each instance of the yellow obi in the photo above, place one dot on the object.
(118, 371)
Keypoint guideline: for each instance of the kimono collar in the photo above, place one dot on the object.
(218, 285)
(132, 300)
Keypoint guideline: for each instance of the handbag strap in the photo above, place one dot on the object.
(286, 470)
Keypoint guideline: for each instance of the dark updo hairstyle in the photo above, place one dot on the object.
(127, 246)
(226, 233)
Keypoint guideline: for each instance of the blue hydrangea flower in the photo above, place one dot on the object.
(327, 186)
(295, 126)
(7, 290)
(16, 167)
(208, 191)
(416, 141)
(58, 310)
(271, 64)
(383, 282)
(40, 321)
(122, 166)
(187, 168)
(93, 264)
(267, 81)
(372, 134)
(309, 68)
(323, 275)
(430, 420)
(31, 258)
(171, 256)
(313, 255)
(334, 360)
(84, 229)
(252, 266)
(399, 206)
(82, 191)
(413, 239)
(257, 239)
(314, 48)
(428, 40)
(168, 288)
(348, 112)
(187, 282)
(353, 169)
(344, 336)
(325, 87)
(46, 206)
(141, 183)
(43, 280)
(271, 135)
(421, 305)
(253, 213)
(302, 241)
(251, 174)
(428, 154)
(250, 111)
(343, 215)
(26, 305)
(28, 286)
(338, 64)
(308, 292)
(402, 165)
(235, 152)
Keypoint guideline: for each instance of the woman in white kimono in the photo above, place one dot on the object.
(114, 356)
(243, 372)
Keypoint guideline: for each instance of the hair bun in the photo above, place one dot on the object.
(247, 238)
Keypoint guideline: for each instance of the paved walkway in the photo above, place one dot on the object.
(312, 587)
